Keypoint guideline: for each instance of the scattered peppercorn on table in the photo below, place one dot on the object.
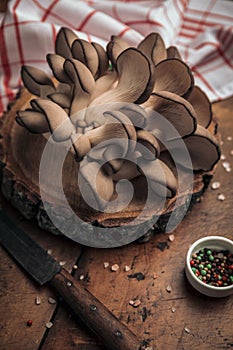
(144, 285)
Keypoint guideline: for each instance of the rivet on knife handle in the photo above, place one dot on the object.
(105, 325)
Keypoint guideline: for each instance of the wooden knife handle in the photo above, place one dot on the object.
(114, 334)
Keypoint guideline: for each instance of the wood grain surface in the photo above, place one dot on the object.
(181, 319)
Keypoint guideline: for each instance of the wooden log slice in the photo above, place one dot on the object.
(20, 154)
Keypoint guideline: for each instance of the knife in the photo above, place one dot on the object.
(44, 269)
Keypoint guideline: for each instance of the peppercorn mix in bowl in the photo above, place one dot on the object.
(209, 266)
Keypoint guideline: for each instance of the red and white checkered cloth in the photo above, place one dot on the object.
(202, 29)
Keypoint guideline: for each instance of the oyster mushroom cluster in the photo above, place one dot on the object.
(110, 105)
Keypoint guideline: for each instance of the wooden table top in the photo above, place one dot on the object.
(179, 319)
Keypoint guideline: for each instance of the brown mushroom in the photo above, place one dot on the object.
(135, 79)
(56, 63)
(84, 84)
(63, 96)
(175, 109)
(115, 47)
(97, 187)
(114, 116)
(150, 149)
(110, 142)
(61, 99)
(136, 114)
(59, 123)
(173, 52)
(32, 120)
(203, 149)
(35, 79)
(103, 63)
(128, 170)
(202, 106)
(105, 83)
(34, 106)
(174, 76)
(84, 52)
(81, 145)
(113, 156)
(153, 46)
(106, 132)
(64, 40)
(158, 174)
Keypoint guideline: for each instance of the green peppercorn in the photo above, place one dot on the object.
(199, 258)
(194, 269)
(200, 277)
(231, 278)
(203, 272)
(209, 252)
(209, 266)
(211, 258)
(201, 266)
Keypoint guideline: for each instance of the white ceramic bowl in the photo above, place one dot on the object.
(212, 242)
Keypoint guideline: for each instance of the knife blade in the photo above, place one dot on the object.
(44, 269)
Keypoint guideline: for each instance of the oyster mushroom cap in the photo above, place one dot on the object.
(103, 63)
(173, 52)
(175, 109)
(110, 141)
(128, 170)
(56, 63)
(59, 123)
(61, 99)
(158, 174)
(35, 106)
(32, 120)
(151, 147)
(202, 106)
(113, 136)
(104, 83)
(174, 76)
(81, 145)
(153, 46)
(35, 80)
(96, 185)
(114, 116)
(84, 52)
(115, 47)
(136, 114)
(112, 155)
(88, 117)
(84, 84)
(80, 75)
(203, 149)
(64, 40)
(135, 79)
(108, 131)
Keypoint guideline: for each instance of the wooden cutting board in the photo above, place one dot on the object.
(179, 319)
